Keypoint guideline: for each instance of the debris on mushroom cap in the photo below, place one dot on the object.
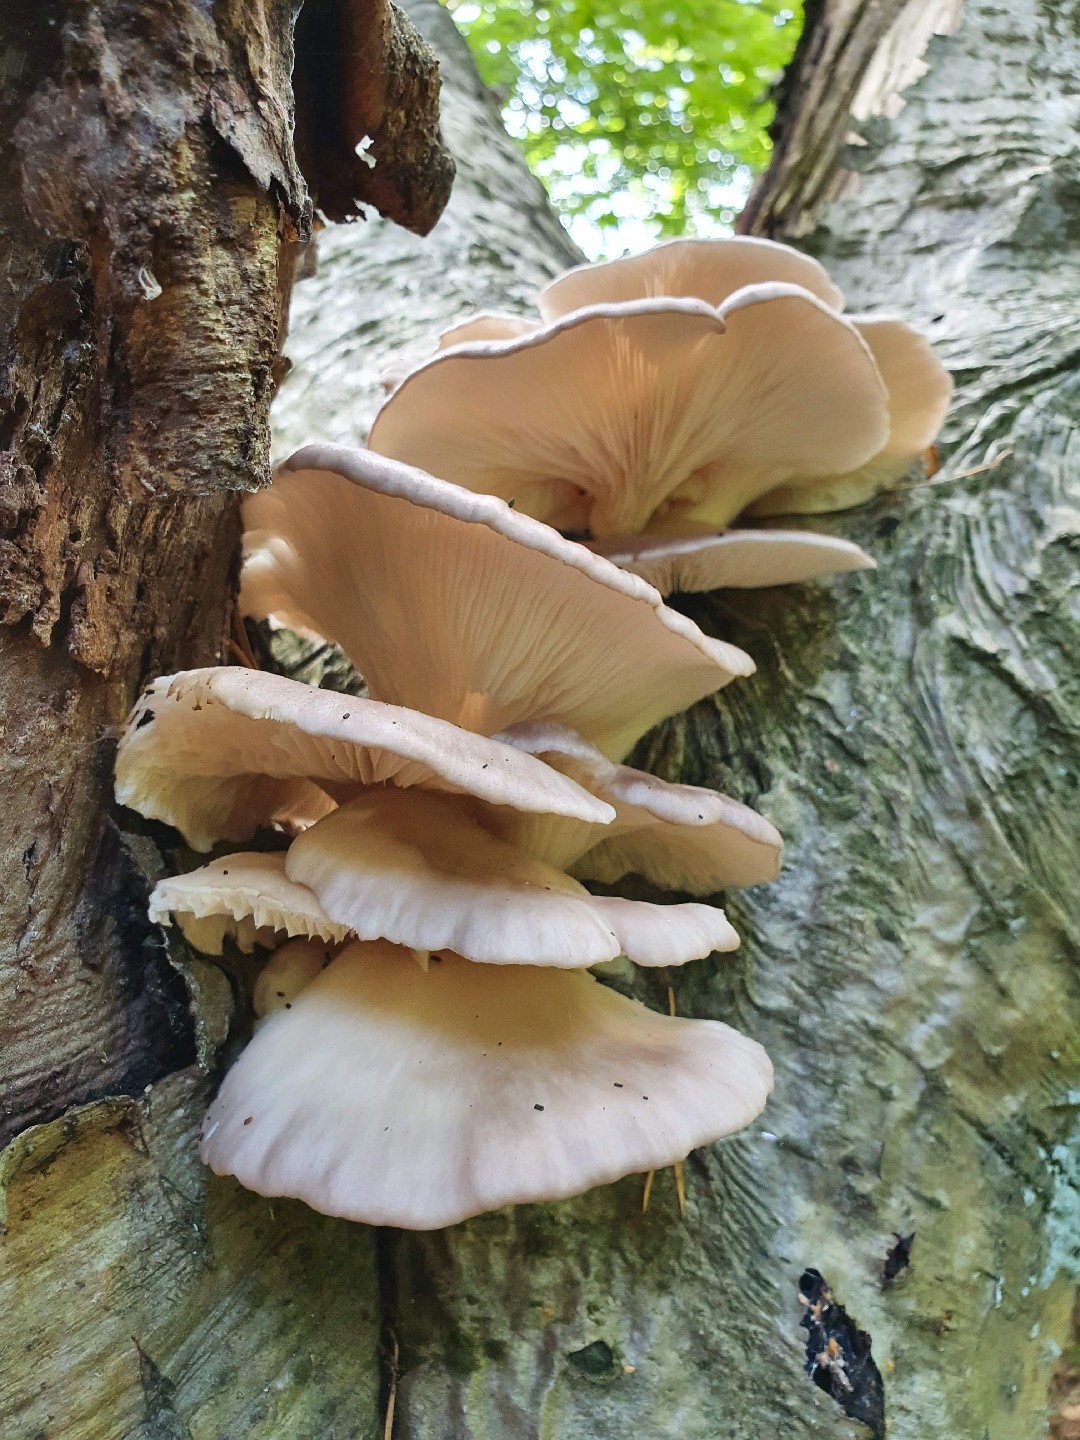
(679, 836)
(247, 897)
(644, 405)
(708, 270)
(397, 1098)
(218, 752)
(414, 869)
(288, 970)
(920, 390)
(731, 559)
(375, 555)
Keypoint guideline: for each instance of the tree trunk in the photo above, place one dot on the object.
(912, 732)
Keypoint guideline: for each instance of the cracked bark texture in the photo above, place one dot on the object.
(914, 735)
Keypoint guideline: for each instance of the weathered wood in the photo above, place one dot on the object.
(141, 325)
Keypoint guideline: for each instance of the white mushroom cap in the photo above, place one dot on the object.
(920, 390)
(395, 1097)
(455, 605)
(288, 970)
(412, 868)
(708, 270)
(733, 559)
(646, 405)
(220, 751)
(485, 325)
(247, 897)
(682, 837)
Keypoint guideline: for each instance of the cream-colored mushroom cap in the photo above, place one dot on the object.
(412, 868)
(455, 605)
(613, 413)
(682, 837)
(288, 970)
(219, 752)
(920, 390)
(732, 559)
(918, 385)
(246, 897)
(485, 325)
(708, 270)
(395, 1097)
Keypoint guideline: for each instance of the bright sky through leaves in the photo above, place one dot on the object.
(644, 119)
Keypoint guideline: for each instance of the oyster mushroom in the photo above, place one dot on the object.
(608, 420)
(219, 752)
(400, 1098)
(454, 605)
(681, 837)
(411, 868)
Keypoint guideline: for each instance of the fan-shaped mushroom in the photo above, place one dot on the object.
(219, 752)
(624, 415)
(452, 604)
(401, 1098)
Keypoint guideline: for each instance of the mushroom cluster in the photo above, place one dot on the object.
(430, 1041)
(662, 400)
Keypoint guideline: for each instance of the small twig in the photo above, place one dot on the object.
(391, 1400)
(647, 1192)
(680, 1188)
(960, 475)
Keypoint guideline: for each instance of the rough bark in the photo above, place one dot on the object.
(150, 202)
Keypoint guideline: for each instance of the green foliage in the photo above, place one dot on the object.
(651, 110)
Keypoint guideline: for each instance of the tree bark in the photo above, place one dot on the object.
(913, 733)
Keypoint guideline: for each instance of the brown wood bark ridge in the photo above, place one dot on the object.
(149, 201)
(364, 77)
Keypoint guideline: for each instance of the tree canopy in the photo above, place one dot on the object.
(649, 115)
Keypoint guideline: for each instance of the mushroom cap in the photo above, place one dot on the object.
(920, 390)
(288, 970)
(455, 605)
(414, 869)
(485, 325)
(395, 1097)
(733, 559)
(708, 270)
(609, 414)
(220, 751)
(681, 837)
(247, 897)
